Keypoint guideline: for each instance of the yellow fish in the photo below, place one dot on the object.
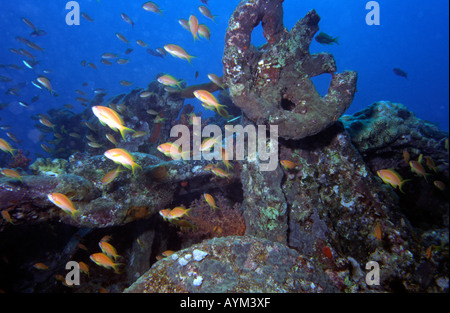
(178, 212)
(178, 52)
(165, 213)
(40, 266)
(7, 216)
(122, 157)
(172, 150)
(208, 98)
(204, 31)
(193, 26)
(169, 80)
(84, 268)
(5, 146)
(210, 200)
(62, 202)
(208, 143)
(417, 168)
(94, 144)
(111, 139)
(430, 164)
(11, 173)
(216, 80)
(439, 185)
(102, 259)
(220, 172)
(110, 176)
(392, 178)
(108, 249)
(288, 165)
(111, 118)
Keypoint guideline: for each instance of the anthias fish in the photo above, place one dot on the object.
(112, 119)
(178, 52)
(62, 202)
(123, 157)
(391, 177)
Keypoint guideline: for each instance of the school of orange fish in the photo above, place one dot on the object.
(109, 116)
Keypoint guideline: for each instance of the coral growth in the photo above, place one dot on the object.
(208, 223)
(20, 160)
(49, 167)
(272, 85)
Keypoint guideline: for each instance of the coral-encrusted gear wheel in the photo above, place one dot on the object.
(272, 84)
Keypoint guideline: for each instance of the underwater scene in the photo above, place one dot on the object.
(206, 146)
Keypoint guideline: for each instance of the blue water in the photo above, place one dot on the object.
(413, 35)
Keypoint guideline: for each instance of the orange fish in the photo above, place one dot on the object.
(216, 80)
(5, 146)
(84, 268)
(106, 238)
(225, 158)
(123, 157)
(178, 52)
(430, 164)
(377, 232)
(210, 200)
(110, 176)
(417, 168)
(392, 178)
(108, 249)
(44, 81)
(193, 26)
(429, 252)
(168, 253)
(288, 165)
(204, 32)
(169, 80)
(208, 99)
(406, 156)
(102, 259)
(178, 212)
(62, 202)
(7, 216)
(173, 150)
(220, 172)
(208, 143)
(11, 173)
(327, 252)
(40, 266)
(111, 139)
(111, 118)
(439, 185)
